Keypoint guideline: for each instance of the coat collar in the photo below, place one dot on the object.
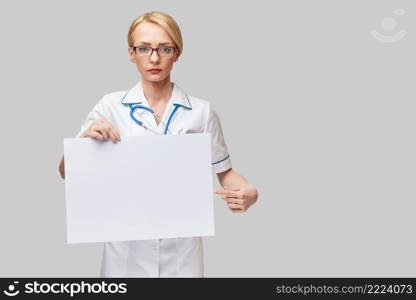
(136, 96)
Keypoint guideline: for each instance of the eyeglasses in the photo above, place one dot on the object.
(164, 51)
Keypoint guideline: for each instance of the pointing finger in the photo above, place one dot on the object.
(231, 188)
(231, 194)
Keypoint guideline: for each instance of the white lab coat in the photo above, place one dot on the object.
(172, 257)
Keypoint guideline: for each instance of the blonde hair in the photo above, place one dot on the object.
(161, 19)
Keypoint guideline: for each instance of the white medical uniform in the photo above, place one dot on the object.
(172, 257)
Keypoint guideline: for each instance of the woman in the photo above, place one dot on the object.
(155, 44)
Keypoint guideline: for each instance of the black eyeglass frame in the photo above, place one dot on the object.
(153, 49)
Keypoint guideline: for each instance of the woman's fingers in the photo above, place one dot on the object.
(115, 137)
(235, 209)
(236, 198)
(110, 133)
(233, 200)
(232, 197)
(95, 135)
(234, 206)
(227, 193)
(103, 132)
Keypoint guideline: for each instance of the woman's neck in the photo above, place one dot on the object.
(157, 92)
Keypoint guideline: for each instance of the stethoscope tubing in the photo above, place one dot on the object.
(133, 107)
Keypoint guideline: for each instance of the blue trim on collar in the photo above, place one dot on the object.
(184, 106)
(190, 106)
(140, 102)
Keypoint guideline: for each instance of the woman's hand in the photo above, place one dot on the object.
(102, 130)
(239, 199)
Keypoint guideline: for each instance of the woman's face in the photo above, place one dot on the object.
(152, 35)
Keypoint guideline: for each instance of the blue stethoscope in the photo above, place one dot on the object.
(133, 107)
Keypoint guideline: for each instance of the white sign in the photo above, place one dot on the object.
(143, 187)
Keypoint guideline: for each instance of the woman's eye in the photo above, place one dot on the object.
(144, 49)
(166, 50)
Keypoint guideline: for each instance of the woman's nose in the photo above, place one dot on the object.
(154, 57)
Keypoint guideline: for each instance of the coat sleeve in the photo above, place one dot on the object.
(98, 111)
(220, 160)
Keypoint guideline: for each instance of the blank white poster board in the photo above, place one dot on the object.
(143, 187)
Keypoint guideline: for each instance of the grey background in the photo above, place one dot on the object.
(317, 114)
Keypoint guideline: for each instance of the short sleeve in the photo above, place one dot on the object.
(98, 111)
(220, 160)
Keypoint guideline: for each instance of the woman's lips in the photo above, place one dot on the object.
(154, 71)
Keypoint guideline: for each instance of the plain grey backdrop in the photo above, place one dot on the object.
(317, 113)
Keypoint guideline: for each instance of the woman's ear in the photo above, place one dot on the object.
(131, 54)
(176, 57)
